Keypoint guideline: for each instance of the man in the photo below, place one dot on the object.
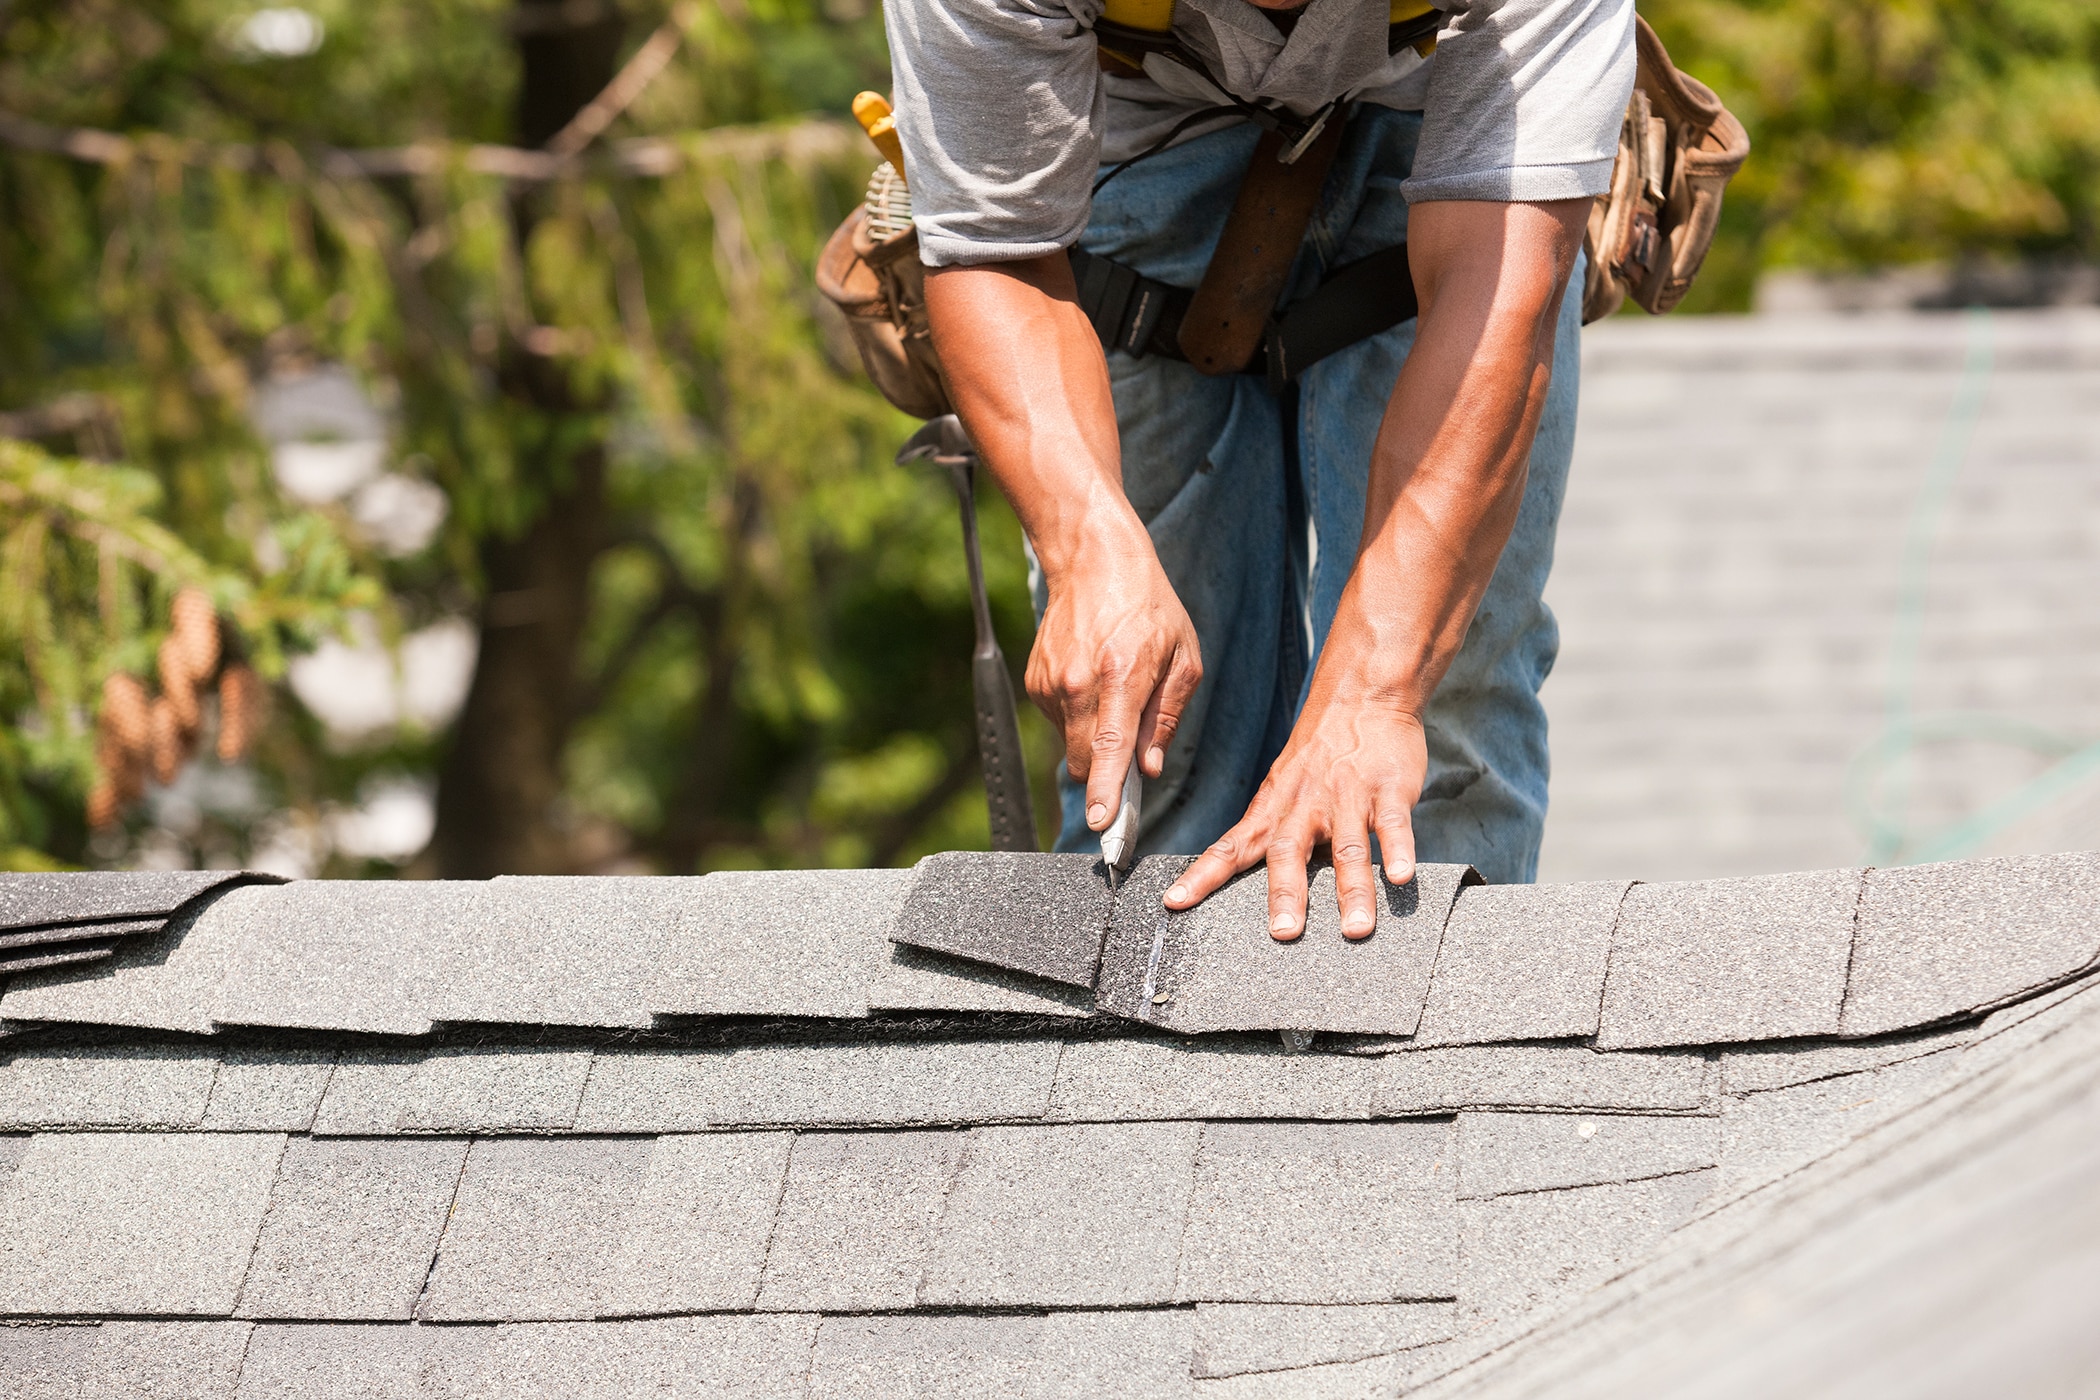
(1311, 615)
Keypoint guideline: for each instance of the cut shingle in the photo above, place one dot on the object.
(1502, 1154)
(1766, 1135)
(1075, 1216)
(1378, 1378)
(1710, 962)
(1521, 962)
(695, 1239)
(1523, 1250)
(780, 943)
(1321, 1213)
(673, 1358)
(1038, 914)
(1128, 1079)
(165, 1361)
(880, 1083)
(924, 1358)
(1450, 1078)
(561, 950)
(856, 1220)
(1221, 971)
(911, 979)
(168, 981)
(1784, 1066)
(314, 1361)
(154, 1223)
(533, 1220)
(106, 1088)
(37, 899)
(1235, 1339)
(1937, 941)
(1137, 941)
(1133, 1355)
(469, 1089)
(268, 1091)
(351, 1229)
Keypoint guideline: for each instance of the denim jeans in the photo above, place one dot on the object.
(1255, 504)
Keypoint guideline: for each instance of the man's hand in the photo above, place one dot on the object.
(1447, 477)
(1115, 659)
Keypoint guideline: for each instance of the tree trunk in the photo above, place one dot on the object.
(499, 788)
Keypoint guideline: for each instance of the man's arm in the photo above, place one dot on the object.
(1115, 657)
(1447, 477)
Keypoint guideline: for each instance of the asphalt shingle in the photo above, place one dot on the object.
(1501, 1154)
(1784, 1066)
(352, 1228)
(892, 1083)
(856, 1220)
(1713, 961)
(780, 943)
(351, 955)
(1222, 971)
(1521, 962)
(57, 935)
(1522, 1250)
(164, 1361)
(106, 1088)
(1446, 1079)
(268, 1091)
(1940, 940)
(911, 979)
(1766, 1135)
(32, 899)
(315, 1361)
(673, 1358)
(1376, 1379)
(1235, 1339)
(1138, 941)
(1321, 1213)
(43, 1362)
(532, 1219)
(924, 1358)
(153, 1223)
(71, 956)
(1126, 1079)
(1073, 1216)
(1133, 1355)
(1039, 914)
(466, 1089)
(695, 1238)
(169, 981)
(561, 950)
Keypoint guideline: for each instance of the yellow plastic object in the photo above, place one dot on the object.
(1400, 11)
(872, 111)
(1152, 16)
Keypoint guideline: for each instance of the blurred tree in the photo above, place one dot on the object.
(714, 625)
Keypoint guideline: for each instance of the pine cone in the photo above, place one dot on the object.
(126, 719)
(171, 740)
(242, 702)
(178, 686)
(122, 771)
(103, 805)
(195, 631)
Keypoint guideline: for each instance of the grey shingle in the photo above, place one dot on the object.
(315, 1361)
(695, 1238)
(924, 1358)
(780, 943)
(45, 1362)
(533, 1220)
(1521, 962)
(1446, 1079)
(674, 1358)
(1123, 1079)
(1039, 914)
(352, 1228)
(29, 900)
(1133, 1355)
(910, 979)
(1784, 1066)
(1221, 970)
(465, 1089)
(12, 1148)
(1500, 1154)
(146, 1087)
(355, 955)
(878, 1083)
(857, 1219)
(72, 956)
(1522, 1250)
(1238, 1338)
(1766, 1135)
(273, 1091)
(1711, 961)
(165, 1360)
(158, 1223)
(561, 950)
(1939, 940)
(1378, 1378)
(1321, 1213)
(56, 936)
(169, 981)
(1076, 1216)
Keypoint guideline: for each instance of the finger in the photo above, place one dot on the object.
(1163, 715)
(1238, 849)
(1078, 703)
(1112, 750)
(1355, 885)
(1287, 857)
(1396, 839)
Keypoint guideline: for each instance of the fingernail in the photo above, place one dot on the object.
(1096, 813)
(1357, 922)
(1177, 894)
(1155, 756)
(1282, 923)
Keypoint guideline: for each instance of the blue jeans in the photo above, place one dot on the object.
(1255, 504)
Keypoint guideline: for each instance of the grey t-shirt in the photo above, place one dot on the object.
(1006, 116)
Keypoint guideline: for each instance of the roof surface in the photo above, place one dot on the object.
(1831, 1133)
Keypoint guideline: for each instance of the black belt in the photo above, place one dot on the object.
(1139, 316)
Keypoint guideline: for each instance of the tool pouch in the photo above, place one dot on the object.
(1678, 149)
(881, 288)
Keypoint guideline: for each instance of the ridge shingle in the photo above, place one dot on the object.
(1521, 962)
(779, 943)
(1039, 914)
(168, 981)
(559, 950)
(40, 899)
(913, 979)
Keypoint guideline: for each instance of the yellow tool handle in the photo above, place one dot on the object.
(1152, 16)
(873, 113)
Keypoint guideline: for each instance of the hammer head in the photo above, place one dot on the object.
(939, 440)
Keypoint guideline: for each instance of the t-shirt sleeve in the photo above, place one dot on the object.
(1525, 101)
(999, 108)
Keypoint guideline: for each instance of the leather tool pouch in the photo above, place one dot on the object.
(1678, 149)
(881, 288)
